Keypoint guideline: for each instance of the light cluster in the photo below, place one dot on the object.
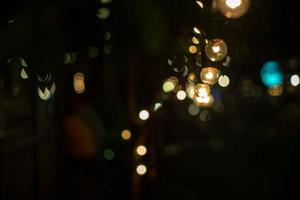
(198, 72)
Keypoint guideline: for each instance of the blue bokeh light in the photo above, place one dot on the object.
(271, 74)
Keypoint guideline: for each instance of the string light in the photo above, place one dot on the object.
(216, 50)
(141, 170)
(144, 115)
(224, 81)
(126, 134)
(181, 95)
(295, 80)
(233, 8)
(141, 150)
(209, 75)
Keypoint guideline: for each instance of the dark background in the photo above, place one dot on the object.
(248, 151)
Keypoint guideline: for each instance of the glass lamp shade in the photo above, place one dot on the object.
(216, 50)
(233, 8)
(204, 101)
(202, 90)
(209, 75)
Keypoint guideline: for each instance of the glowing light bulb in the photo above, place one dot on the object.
(224, 81)
(193, 49)
(295, 80)
(141, 150)
(170, 84)
(141, 170)
(209, 75)
(215, 50)
(126, 134)
(233, 3)
(275, 90)
(233, 8)
(202, 90)
(195, 40)
(181, 95)
(144, 115)
(204, 101)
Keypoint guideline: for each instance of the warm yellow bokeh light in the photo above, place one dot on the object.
(141, 150)
(224, 81)
(144, 115)
(216, 50)
(295, 80)
(233, 8)
(195, 40)
(193, 49)
(103, 13)
(233, 3)
(275, 91)
(170, 84)
(141, 169)
(204, 101)
(126, 134)
(78, 83)
(193, 110)
(209, 75)
(202, 90)
(190, 90)
(181, 95)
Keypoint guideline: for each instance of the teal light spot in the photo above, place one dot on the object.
(271, 74)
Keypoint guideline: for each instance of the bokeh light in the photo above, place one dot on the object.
(79, 83)
(204, 101)
(200, 4)
(190, 90)
(144, 115)
(193, 110)
(202, 90)
(271, 74)
(216, 50)
(44, 95)
(233, 8)
(24, 74)
(126, 134)
(275, 90)
(224, 81)
(181, 95)
(195, 40)
(141, 170)
(103, 13)
(170, 84)
(141, 150)
(109, 154)
(295, 80)
(209, 75)
(193, 49)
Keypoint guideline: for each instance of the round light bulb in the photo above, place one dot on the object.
(190, 90)
(141, 170)
(216, 50)
(295, 80)
(202, 90)
(144, 115)
(233, 8)
(170, 84)
(204, 101)
(209, 75)
(224, 81)
(181, 95)
(141, 150)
